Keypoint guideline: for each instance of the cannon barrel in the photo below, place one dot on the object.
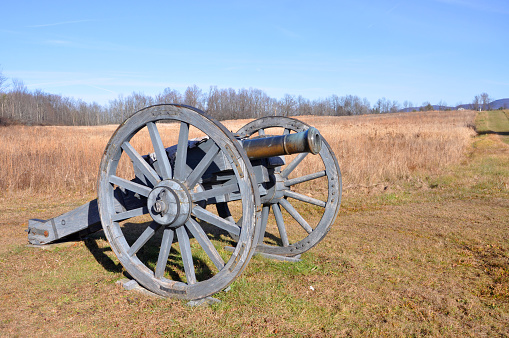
(308, 141)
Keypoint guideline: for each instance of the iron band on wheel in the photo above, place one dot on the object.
(283, 189)
(173, 203)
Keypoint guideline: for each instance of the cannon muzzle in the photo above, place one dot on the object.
(309, 141)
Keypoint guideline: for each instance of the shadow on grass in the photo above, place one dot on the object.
(490, 132)
(100, 255)
(148, 254)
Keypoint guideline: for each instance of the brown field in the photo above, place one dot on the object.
(372, 149)
(420, 247)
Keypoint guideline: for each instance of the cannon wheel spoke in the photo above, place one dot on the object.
(130, 185)
(181, 156)
(153, 256)
(304, 198)
(187, 257)
(295, 214)
(296, 193)
(205, 243)
(144, 237)
(305, 178)
(295, 162)
(164, 252)
(215, 220)
(203, 165)
(159, 150)
(265, 217)
(122, 216)
(214, 192)
(280, 224)
(140, 163)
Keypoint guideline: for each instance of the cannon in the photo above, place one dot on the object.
(166, 213)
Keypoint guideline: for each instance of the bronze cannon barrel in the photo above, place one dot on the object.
(308, 141)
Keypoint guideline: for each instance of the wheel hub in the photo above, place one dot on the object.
(276, 192)
(169, 203)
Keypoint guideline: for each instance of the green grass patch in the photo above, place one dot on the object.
(481, 122)
(494, 122)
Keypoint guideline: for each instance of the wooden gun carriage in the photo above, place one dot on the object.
(162, 212)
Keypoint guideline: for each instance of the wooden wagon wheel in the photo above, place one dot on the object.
(171, 204)
(288, 196)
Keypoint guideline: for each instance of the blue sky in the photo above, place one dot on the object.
(423, 50)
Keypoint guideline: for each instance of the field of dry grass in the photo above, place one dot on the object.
(428, 259)
(370, 149)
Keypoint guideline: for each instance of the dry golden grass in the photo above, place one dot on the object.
(418, 262)
(370, 149)
(381, 148)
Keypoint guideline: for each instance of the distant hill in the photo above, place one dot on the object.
(502, 103)
(435, 107)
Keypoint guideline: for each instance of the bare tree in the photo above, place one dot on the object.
(365, 107)
(262, 103)
(485, 101)
(336, 106)
(303, 106)
(394, 106)
(407, 105)
(288, 105)
(442, 105)
(3, 97)
(476, 103)
(377, 108)
(221, 103)
(348, 103)
(384, 106)
(169, 96)
(3, 82)
(193, 96)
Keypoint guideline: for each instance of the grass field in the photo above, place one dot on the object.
(494, 122)
(371, 149)
(420, 247)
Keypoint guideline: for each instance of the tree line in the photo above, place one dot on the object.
(37, 107)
